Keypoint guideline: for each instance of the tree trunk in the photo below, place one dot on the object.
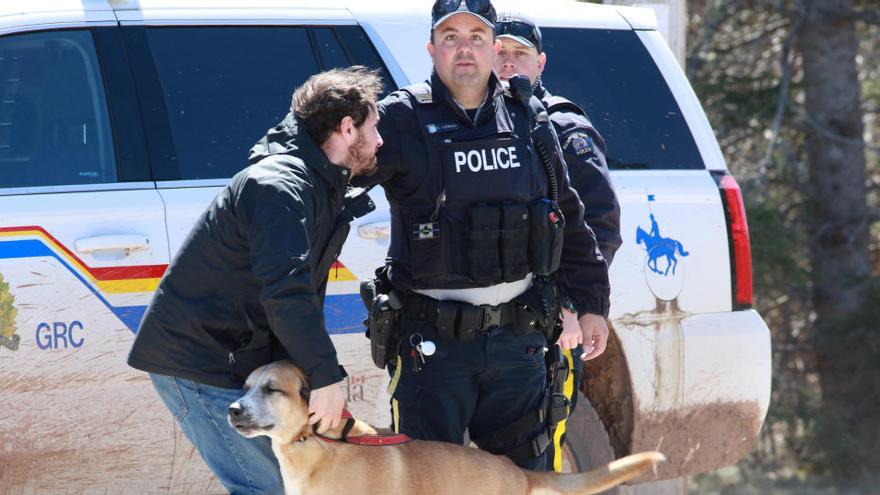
(839, 237)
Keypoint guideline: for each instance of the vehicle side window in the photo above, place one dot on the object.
(611, 75)
(331, 52)
(223, 87)
(362, 52)
(54, 124)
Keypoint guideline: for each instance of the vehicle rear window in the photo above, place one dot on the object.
(611, 75)
(223, 87)
(54, 124)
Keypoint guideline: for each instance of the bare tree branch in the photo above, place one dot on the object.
(770, 29)
(784, 86)
(717, 12)
(831, 135)
(867, 16)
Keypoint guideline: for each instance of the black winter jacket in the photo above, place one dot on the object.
(584, 151)
(403, 166)
(247, 286)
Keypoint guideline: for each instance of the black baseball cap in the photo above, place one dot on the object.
(481, 9)
(519, 28)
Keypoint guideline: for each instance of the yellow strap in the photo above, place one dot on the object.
(568, 390)
(392, 387)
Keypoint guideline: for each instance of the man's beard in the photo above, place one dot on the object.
(361, 160)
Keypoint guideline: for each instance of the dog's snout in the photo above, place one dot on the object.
(235, 410)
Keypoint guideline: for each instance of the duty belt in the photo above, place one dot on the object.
(458, 320)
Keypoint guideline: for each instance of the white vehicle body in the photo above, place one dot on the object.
(687, 371)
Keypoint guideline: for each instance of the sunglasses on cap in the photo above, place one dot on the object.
(519, 29)
(480, 7)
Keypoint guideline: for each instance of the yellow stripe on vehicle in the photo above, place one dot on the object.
(124, 286)
(341, 274)
(80, 268)
(127, 286)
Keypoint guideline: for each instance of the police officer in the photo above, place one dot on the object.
(521, 53)
(584, 150)
(479, 258)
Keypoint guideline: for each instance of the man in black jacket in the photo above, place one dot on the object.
(247, 286)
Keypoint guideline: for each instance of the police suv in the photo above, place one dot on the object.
(121, 119)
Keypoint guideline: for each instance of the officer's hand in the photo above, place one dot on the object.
(595, 331)
(325, 405)
(571, 335)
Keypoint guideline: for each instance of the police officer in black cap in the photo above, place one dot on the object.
(584, 150)
(521, 53)
(487, 241)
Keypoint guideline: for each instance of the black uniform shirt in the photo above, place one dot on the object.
(404, 167)
(584, 151)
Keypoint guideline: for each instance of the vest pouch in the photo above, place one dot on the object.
(536, 309)
(514, 242)
(427, 242)
(482, 244)
(546, 225)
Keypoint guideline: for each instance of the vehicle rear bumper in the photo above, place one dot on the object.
(699, 388)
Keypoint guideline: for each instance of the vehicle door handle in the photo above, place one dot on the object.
(126, 243)
(375, 230)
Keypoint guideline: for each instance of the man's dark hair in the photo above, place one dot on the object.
(326, 98)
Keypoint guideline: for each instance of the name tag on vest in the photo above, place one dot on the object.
(485, 160)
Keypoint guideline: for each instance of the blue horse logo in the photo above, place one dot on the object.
(658, 247)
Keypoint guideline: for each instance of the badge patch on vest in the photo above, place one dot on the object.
(435, 128)
(580, 143)
(423, 231)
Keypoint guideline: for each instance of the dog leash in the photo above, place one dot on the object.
(368, 440)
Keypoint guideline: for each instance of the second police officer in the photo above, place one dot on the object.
(584, 151)
(487, 240)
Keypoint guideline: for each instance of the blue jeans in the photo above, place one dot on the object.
(243, 465)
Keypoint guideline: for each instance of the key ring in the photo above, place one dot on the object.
(421, 339)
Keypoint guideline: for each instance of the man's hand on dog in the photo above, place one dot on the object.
(325, 406)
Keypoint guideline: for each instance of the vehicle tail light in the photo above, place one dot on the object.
(738, 240)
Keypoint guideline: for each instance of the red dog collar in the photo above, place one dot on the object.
(368, 440)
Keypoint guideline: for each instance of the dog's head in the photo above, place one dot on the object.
(275, 403)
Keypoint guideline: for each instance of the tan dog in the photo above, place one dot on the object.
(275, 404)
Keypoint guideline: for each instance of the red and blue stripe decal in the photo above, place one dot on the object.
(343, 313)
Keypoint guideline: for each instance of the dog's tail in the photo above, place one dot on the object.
(595, 481)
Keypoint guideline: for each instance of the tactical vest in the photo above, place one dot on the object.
(471, 222)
